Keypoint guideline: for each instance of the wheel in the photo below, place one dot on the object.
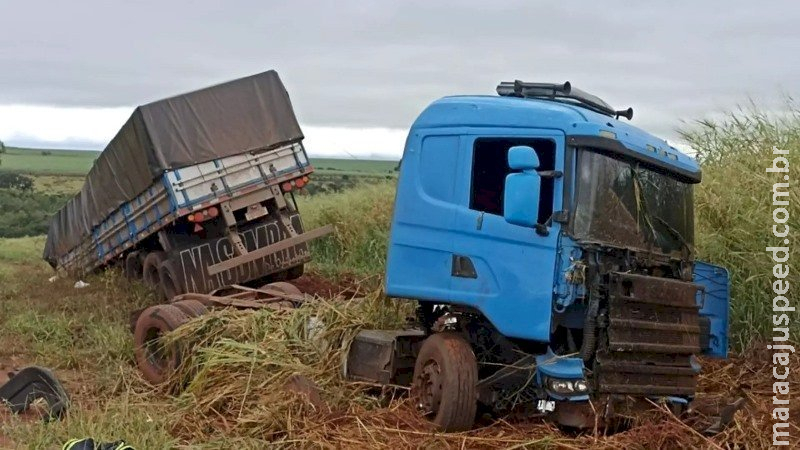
(157, 362)
(191, 308)
(150, 272)
(295, 272)
(133, 266)
(286, 288)
(445, 382)
(170, 279)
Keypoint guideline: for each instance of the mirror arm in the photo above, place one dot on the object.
(550, 173)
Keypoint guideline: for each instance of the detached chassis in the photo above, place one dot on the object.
(158, 361)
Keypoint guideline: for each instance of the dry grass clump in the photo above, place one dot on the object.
(265, 373)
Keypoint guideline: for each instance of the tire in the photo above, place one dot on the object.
(133, 266)
(156, 363)
(170, 279)
(295, 272)
(150, 272)
(192, 308)
(445, 382)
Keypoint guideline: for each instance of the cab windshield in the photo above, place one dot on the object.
(624, 204)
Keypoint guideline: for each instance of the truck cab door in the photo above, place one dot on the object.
(505, 269)
(714, 302)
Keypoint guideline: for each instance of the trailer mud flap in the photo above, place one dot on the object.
(383, 356)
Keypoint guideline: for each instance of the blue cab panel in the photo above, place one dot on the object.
(441, 216)
(714, 304)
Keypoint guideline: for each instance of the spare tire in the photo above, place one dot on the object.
(192, 308)
(156, 361)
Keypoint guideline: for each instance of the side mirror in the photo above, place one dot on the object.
(522, 157)
(521, 193)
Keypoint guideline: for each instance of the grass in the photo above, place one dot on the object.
(83, 334)
(361, 218)
(242, 363)
(57, 184)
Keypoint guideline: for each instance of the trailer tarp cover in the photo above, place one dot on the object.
(247, 114)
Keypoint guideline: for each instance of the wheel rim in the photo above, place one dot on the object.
(429, 388)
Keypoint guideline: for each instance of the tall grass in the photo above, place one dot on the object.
(733, 209)
(361, 217)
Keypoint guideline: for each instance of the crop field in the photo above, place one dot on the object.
(232, 389)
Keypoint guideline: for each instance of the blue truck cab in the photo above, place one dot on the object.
(550, 248)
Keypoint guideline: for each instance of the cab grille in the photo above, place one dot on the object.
(653, 329)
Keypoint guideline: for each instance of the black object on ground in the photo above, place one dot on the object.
(31, 384)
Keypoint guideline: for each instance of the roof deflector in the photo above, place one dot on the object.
(560, 92)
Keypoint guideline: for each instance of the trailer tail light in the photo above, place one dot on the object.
(297, 183)
(202, 216)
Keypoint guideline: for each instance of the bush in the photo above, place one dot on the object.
(10, 180)
(27, 213)
(733, 209)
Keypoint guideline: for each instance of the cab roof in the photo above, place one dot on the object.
(575, 121)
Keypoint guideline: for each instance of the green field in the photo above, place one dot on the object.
(45, 161)
(78, 162)
(354, 166)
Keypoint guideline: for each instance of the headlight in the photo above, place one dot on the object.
(568, 386)
(562, 386)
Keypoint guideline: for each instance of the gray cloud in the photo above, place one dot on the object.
(358, 63)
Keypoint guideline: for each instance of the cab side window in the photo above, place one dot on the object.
(490, 167)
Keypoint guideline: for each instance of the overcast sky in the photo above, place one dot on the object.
(359, 72)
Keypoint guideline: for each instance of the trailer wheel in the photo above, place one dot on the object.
(150, 275)
(156, 361)
(191, 308)
(169, 279)
(445, 382)
(133, 266)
